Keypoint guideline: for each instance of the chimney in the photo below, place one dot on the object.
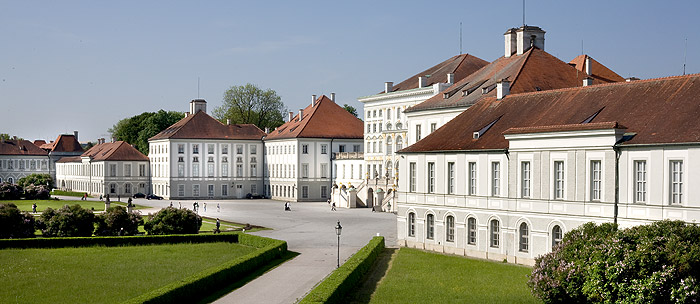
(228, 121)
(333, 97)
(313, 100)
(528, 36)
(502, 88)
(291, 115)
(267, 130)
(587, 81)
(422, 81)
(197, 105)
(588, 66)
(301, 114)
(511, 42)
(450, 78)
(388, 86)
(75, 133)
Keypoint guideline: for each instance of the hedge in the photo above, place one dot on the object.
(334, 288)
(60, 242)
(208, 281)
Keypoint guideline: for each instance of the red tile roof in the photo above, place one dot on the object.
(569, 127)
(535, 70)
(325, 119)
(113, 151)
(64, 143)
(70, 159)
(20, 147)
(39, 142)
(659, 111)
(461, 66)
(600, 73)
(202, 126)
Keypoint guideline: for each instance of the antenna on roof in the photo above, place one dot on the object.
(197, 86)
(523, 12)
(685, 52)
(460, 38)
(581, 46)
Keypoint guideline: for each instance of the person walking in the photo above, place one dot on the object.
(205, 207)
(218, 225)
(34, 207)
(333, 206)
(218, 207)
(171, 204)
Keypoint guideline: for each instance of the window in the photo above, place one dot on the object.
(254, 189)
(356, 148)
(195, 190)
(640, 181)
(181, 190)
(224, 190)
(369, 128)
(180, 170)
(556, 235)
(388, 146)
(253, 170)
(195, 149)
(304, 191)
(411, 224)
(224, 168)
(253, 149)
(195, 170)
(433, 127)
(181, 149)
(399, 143)
(418, 135)
(450, 229)
(374, 128)
(450, 178)
(224, 149)
(239, 149)
(495, 179)
(210, 190)
(341, 148)
(525, 179)
(239, 170)
(431, 177)
(412, 177)
(495, 236)
(305, 171)
(210, 149)
(142, 170)
(558, 180)
(380, 113)
(113, 170)
(324, 149)
(472, 178)
(471, 231)
(127, 169)
(676, 181)
(304, 149)
(596, 174)
(112, 188)
(127, 188)
(324, 170)
(324, 191)
(430, 226)
(388, 113)
(524, 238)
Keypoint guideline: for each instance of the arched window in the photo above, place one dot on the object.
(388, 126)
(411, 224)
(389, 144)
(10, 180)
(430, 226)
(399, 143)
(471, 231)
(399, 126)
(450, 229)
(556, 235)
(524, 238)
(495, 233)
(388, 168)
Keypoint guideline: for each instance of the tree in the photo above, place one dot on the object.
(68, 221)
(14, 223)
(136, 130)
(350, 109)
(114, 219)
(5, 136)
(249, 104)
(36, 179)
(173, 221)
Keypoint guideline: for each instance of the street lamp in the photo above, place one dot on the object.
(338, 230)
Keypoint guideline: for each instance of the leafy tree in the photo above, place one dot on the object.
(14, 223)
(114, 219)
(6, 136)
(136, 130)
(88, 145)
(173, 221)
(67, 221)
(10, 191)
(37, 180)
(249, 104)
(350, 109)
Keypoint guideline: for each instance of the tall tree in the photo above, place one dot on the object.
(249, 104)
(136, 130)
(6, 136)
(350, 109)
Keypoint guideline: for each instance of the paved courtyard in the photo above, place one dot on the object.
(309, 229)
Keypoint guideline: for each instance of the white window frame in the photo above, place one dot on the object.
(450, 177)
(430, 226)
(450, 229)
(496, 178)
(523, 237)
(471, 167)
(596, 179)
(675, 178)
(412, 177)
(558, 180)
(431, 177)
(525, 179)
(471, 230)
(640, 180)
(494, 233)
(411, 221)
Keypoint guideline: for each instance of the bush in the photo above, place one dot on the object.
(173, 221)
(15, 224)
(36, 192)
(37, 180)
(10, 191)
(656, 263)
(68, 221)
(114, 219)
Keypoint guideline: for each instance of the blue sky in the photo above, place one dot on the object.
(84, 65)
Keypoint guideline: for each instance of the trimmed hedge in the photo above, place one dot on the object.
(191, 288)
(110, 241)
(334, 288)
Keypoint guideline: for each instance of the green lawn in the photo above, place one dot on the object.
(68, 193)
(41, 205)
(417, 276)
(103, 274)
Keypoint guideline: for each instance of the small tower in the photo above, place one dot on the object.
(197, 105)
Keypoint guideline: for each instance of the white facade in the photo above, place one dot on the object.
(14, 167)
(114, 178)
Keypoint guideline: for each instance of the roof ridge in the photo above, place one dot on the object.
(320, 99)
(522, 66)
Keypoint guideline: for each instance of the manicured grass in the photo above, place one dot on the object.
(103, 274)
(68, 193)
(417, 276)
(41, 205)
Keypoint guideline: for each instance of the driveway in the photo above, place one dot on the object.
(309, 229)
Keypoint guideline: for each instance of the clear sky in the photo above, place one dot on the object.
(84, 65)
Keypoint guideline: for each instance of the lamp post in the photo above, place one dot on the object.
(338, 230)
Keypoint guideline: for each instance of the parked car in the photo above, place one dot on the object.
(153, 196)
(253, 196)
(139, 195)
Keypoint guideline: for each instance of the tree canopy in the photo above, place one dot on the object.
(350, 109)
(6, 136)
(249, 104)
(136, 130)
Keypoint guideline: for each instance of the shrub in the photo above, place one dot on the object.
(67, 221)
(114, 219)
(36, 192)
(10, 191)
(15, 224)
(656, 263)
(36, 179)
(173, 221)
